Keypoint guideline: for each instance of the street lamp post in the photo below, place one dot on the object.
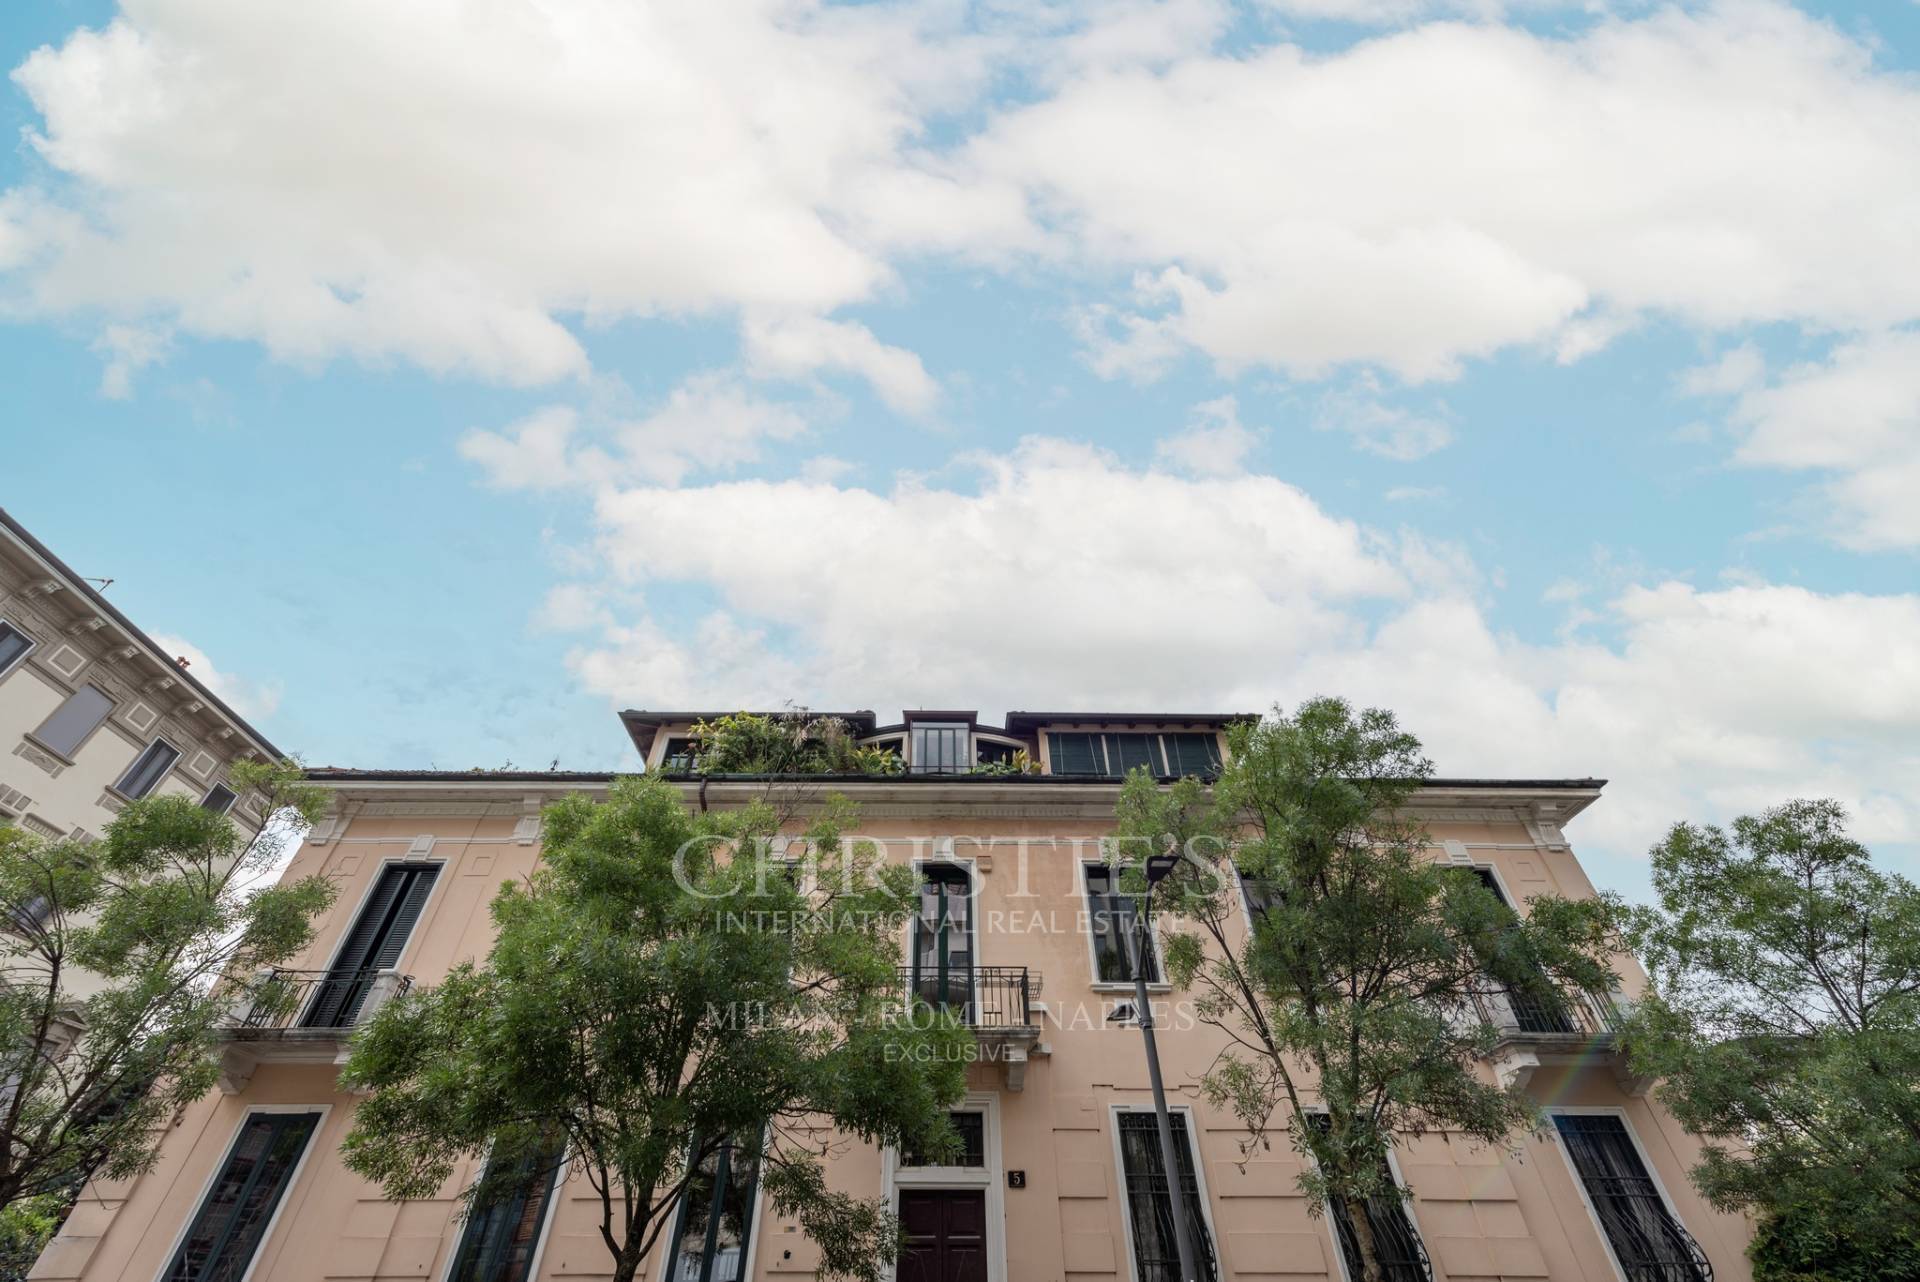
(1158, 866)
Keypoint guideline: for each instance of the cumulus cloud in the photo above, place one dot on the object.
(1214, 442)
(448, 184)
(795, 346)
(1853, 416)
(461, 187)
(1056, 571)
(1436, 194)
(253, 699)
(1378, 427)
(709, 423)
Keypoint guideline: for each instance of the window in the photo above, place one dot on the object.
(1403, 1258)
(1532, 1012)
(1110, 918)
(1260, 894)
(940, 747)
(68, 726)
(943, 940)
(219, 799)
(972, 1126)
(233, 1218)
(1647, 1240)
(375, 942)
(1156, 1256)
(716, 1215)
(500, 1237)
(14, 645)
(147, 770)
(1116, 754)
(681, 756)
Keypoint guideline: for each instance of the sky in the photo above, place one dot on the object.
(441, 377)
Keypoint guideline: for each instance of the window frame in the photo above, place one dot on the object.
(113, 705)
(1099, 985)
(1580, 1184)
(668, 1243)
(233, 797)
(967, 869)
(1191, 1125)
(440, 879)
(894, 1178)
(220, 1164)
(158, 741)
(964, 759)
(7, 666)
(555, 1195)
(1406, 1207)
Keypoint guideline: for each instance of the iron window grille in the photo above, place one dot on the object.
(1396, 1243)
(1650, 1244)
(1156, 1255)
(972, 1126)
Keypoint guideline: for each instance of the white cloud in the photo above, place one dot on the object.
(1214, 443)
(461, 187)
(795, 346)
(127, 349)
(1441, 193)
(250, 698)
(1379, 428)
(1854, 416)
(444, 183)
(709, 423)
(1414, 493)
(1055, 572)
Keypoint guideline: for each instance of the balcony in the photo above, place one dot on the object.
(996, 1002)
(1577, 1028)
(299, 1017)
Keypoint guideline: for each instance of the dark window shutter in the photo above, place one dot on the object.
(1193, 754)
(374, 943)
(1076, 754)
(1128, 752)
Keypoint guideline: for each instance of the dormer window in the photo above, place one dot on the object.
(941, 747)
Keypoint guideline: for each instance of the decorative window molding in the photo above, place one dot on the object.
(203, 763)
(39, 757)
(140, 715)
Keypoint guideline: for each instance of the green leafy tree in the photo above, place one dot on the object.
(1783, 1017)
(655, 990)
(109, 956)
(1356, 988)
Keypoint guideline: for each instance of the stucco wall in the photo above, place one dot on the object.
(1483, 1214)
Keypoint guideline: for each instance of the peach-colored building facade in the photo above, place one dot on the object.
(1057, 1185)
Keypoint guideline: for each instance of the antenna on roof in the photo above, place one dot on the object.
(104, 583)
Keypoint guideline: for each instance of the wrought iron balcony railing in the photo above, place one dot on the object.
(985, 997)
(282, 1003)
(1552, 1017)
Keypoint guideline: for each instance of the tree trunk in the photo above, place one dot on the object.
(1370, 1270)
(626, 1261)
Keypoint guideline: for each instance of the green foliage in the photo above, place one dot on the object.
(1019, 764)
(1783, 1017)
(143, 922)
(26, 1226)
(795, 743)
(1812, 1243)
(1362, 970)
(657, 985)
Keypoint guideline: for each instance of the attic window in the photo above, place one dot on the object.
(940, 747)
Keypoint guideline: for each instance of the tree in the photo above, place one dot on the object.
(796, 742)
(109, 956)
(1783, 1017)
(659, 989)
(1356, 988)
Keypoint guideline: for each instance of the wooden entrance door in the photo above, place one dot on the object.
(946, 1231)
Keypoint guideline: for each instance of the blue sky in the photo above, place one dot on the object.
(447, 376)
